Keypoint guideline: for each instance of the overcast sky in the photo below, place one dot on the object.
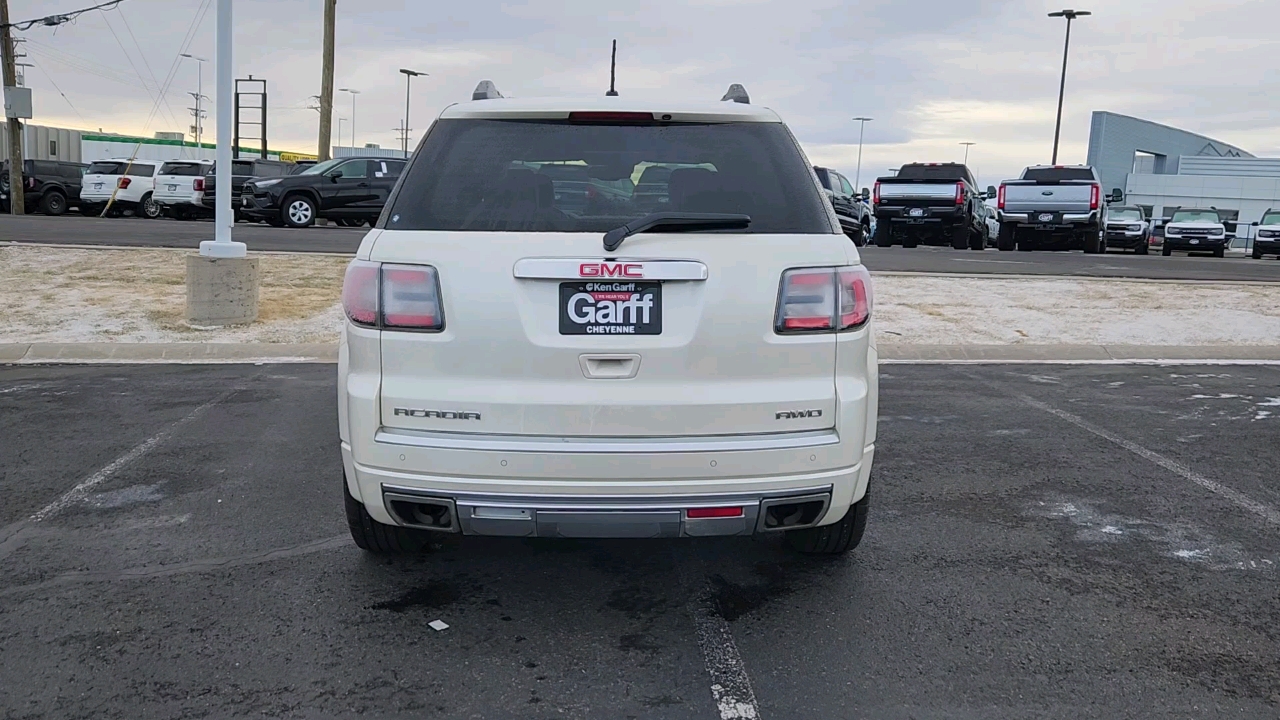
(932, 73)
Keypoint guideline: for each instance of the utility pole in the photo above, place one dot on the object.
(326, 81)
(1062, 88)
(17, 199)
(198, 94)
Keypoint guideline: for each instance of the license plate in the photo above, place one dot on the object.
(173, 188)
(97, 186)
(1195, 242)
(915, 212)
(611, 308)
(1046, 217)
(244, 201)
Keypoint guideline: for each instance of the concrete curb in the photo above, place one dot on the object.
(212, 353)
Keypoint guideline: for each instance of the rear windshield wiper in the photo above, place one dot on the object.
(675, 222)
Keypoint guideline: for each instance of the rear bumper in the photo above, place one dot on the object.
(928, 214)
(1063, 220)
(195, 199)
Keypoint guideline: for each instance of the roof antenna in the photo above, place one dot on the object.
(613, 69)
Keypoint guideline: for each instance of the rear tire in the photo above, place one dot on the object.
(1007, 239)
(1092, 242)
(375, 537)
(90, 211)
(1143, 247)
(978, 240)
(1166, 251)
(1257, 254)
(53, 203)
(960, 237)
(884, 236)
(834, 539)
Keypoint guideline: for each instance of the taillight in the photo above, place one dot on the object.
(959, 193)
(823, 299)
(31, 183)
(875, 193)
(123, 183)
(1000, 198)
(393, 297)
(198, 184)
(1095, 196)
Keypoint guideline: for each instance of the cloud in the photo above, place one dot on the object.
(932, 73)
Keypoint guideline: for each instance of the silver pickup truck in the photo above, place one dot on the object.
(1052, 207)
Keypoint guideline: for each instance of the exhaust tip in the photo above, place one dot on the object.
(792, 513)
(425, 513)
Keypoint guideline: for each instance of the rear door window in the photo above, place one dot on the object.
(183, 169)
(561, 176)
(106, 167)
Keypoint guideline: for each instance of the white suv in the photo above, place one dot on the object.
(133, 182)
(179, 188)
(528, 355)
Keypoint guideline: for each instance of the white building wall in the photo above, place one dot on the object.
(1251, 196)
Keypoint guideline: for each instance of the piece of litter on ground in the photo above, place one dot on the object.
(438, 625)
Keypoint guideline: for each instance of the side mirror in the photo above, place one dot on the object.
(991, 191)
(1117, 195)
(1254, 223)
(866, 194)
(335, 175)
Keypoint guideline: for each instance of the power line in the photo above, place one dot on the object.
(150, 93)
(64, 95)
(61, 19)
(187, 39)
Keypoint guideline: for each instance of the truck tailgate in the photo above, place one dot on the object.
(904, 190)
(1066, 197)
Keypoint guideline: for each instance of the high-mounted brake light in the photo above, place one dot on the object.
(1095, 196)
(198, 185)
(823, 300)
(1000, 198)
(875, 193)
(959, 193)
(611, 117)
(123, 183)
(393, 297)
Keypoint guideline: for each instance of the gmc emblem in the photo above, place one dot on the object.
(795, 414)
(629, 270)
(437, 414)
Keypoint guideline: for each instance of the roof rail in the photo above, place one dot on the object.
(486, 90)
(736, 93)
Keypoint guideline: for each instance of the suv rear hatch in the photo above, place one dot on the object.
(547, 334)
(180, 182)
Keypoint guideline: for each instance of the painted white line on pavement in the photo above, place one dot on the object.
(78, 493)
(730, 686)
(1262, 510)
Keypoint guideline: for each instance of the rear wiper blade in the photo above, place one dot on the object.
(675, 222)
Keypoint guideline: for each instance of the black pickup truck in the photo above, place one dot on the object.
(50, 186)
(241, 172)
(851, 208)
(930, 203)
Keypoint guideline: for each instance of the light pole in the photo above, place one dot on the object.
(199, 90)
(409, 75)
(857, 177)
(354, 93)
(967, 145)
(1062, 88)
(222, 246)
(340, 121)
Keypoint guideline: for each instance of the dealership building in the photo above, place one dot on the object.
(1161, 169)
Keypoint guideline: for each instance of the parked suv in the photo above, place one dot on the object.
(50, 186)
(1128, 228)
(1267, 241)
(241, 171)
(352, 190)
(511, 367)
(135, 179)
(851, 208)
(933, 203)
(180, 188)
(1195, 230)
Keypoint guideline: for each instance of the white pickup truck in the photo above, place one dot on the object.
(1052, 207)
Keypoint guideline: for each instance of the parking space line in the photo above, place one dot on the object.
(78, 493)
(1262, 510)
(730, 686)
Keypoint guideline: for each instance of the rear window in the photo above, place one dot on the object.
(106, 168)
(538, 176)
(949, 173)
(185, 169)
(1057, 174)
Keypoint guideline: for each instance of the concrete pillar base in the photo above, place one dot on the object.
(221, 291)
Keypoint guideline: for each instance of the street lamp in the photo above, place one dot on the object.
(857, 178)
(967, 145)
(1062, 88)
(340, 121)
(354, 93)
(409, 75)
(199, 89)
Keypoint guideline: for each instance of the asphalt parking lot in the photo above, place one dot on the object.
(134, 232)
(1045, 541)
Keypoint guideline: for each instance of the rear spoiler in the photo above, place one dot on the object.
(1050, 182)
(917, 181)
